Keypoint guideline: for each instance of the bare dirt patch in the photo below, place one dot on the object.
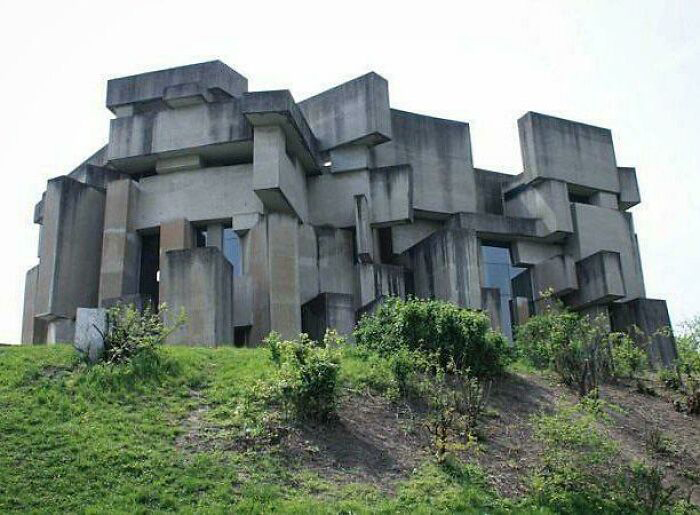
(372, 441)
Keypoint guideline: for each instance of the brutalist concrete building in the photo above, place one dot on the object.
(256, 212)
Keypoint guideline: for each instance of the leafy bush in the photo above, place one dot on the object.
(452, 334)
(132, 332)
(579, 349)
(307, 378)
(456, 401)
(686, 376)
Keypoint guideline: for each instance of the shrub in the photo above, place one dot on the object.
(452, 334)
(132, 332)
(687, 369)
(579, 349)
(307, 378)
(456, 401)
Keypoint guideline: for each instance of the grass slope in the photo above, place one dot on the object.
(192, 435)
(99, 441)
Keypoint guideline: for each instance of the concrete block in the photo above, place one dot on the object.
(278, 182)
(71, 248)
(90, 330)
(285, 298)
(179, 163)
(557, 273)
(520, 307)
(30, 283)
(546, 200)
(650, 316)
(363, 231)
(349, 158)
(121, 245)
(353, 112)
(200, 282)
(331, 197)
(335, 260)
(597, 229)
(629, 188)
(604, 199)
(491, 303)
(328, 311)
(60, 330)
(278, 108)
(440, 155)
(392, 195)
(572, 152)
(148, 87)
(243, 300)
(600, 280)
(446, 266)
(308, 263)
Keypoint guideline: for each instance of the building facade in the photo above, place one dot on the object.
(255, 212)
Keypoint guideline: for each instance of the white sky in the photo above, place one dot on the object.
(632, 66)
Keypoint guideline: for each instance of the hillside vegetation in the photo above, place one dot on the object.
(247, 430)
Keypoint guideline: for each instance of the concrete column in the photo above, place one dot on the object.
(363, 230)
(215, 236)
(285, 300)
(119, 274)
(174, 235)
(29, 300)
(272, 252)
(71, 247)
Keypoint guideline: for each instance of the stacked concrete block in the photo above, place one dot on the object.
(338, 201)
(200, 283)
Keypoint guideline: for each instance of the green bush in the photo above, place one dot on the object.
(132, 333)
(579, 349)
(307, 374)
(451, 333)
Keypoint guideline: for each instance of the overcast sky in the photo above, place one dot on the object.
(632, 66)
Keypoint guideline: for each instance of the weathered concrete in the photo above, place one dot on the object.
(648, 322)
(200, 282)
(71, 248)
(338, 201)
(328, 311)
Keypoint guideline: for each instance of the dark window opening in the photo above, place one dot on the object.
(386, 246)
(150, 268)
(241, 335)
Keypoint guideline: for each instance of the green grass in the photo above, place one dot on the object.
(96, 440)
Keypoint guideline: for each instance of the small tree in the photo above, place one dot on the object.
(132, 332)
(307, 379)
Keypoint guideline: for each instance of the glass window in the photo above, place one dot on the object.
(232, 250)
(510, 280)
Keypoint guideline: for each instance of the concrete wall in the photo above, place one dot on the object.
(440, 155)
(215, 193)
(573, 152)
(392, 195)
(28, 321)
(71, 248)
(121, 246)
(145, 88)
(353, 112)
(200, 282)
(446, 266)
(599, 229)
(546, 200)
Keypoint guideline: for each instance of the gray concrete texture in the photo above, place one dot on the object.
(338, 201)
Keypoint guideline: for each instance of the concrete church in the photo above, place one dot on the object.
(256, 212)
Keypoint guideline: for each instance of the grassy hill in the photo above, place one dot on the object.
(194, 434)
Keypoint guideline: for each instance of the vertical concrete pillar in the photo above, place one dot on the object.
(119, 274)
(29, 311)
(285, 300)
(215, 236)
(174, 235)
(71, 245)
(272, 251)
(363, 230)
